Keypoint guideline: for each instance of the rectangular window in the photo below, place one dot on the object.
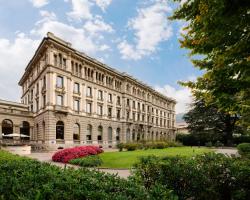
(110, 98)
(76, 88)
(55, 60)
(133, 104)
(133, 116)
(128, 115)
(64, 62)
(143, 107)
(44, 101)
(128, 102)
(118, 100)
(99, 110)
(88, 107)
(59, 82)
(138, 117)
(37, 105)
(76, 105)
(100, 95)
(44, 81)
(118, 114)
(109, 112)
(59, 100)
(89, 92)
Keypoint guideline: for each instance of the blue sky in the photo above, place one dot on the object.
(132, 36)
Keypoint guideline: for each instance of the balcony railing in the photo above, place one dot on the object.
(62, 109)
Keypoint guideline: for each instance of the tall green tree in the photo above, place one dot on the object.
(218, 37)
(207, 123)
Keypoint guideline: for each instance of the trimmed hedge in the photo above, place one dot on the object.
(210, 176)
(22, 178)
(88, 161)
(131, 146)
(244, 149)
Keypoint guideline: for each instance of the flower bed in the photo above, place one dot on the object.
(66, 155)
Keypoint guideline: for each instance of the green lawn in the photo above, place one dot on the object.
(126, 159)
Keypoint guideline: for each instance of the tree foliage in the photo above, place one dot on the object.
(218, 31)
(206, 121)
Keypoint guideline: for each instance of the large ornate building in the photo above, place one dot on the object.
(69, 98)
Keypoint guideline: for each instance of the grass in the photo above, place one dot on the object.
(126, 159)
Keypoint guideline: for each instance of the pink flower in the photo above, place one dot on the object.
(68, 154)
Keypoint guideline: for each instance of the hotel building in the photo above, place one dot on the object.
(69, 98)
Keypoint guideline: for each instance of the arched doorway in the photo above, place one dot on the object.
(99, 136)
(89, 134)
(60, 130)
(109, 134)
(25, 130)
(117, 137)
(7, 128)
(76, 132)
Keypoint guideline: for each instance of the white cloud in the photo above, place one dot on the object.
(151, 27)
(39, 3)
(69, 33)
(14, 56)
(80, 10)
(103, 4)
(48, 15)
(97, 25)
(183, 96)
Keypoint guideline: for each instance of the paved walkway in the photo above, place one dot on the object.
(227, 151)
(46, 157)
(124, 173)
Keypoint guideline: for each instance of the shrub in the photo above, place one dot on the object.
(22, 178)
(160, 145)
(209, 144)
(241, 139)
(120, 146)
(218, 144)
(131, 146)
(209, 176)
(244, 149)
(68, 154)
(88, 161)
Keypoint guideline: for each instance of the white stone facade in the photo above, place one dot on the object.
(74, 99)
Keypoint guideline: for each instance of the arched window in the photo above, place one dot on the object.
(89, 133)
(133, 135)
(60, 130)
(117, 137)
(152, 135)
(7, 127)
(157, 136)
(25, 130)
(76, 132)
(128, 135)
(99, 136)
(109, 134)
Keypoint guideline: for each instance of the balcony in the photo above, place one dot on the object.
(61, 109)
